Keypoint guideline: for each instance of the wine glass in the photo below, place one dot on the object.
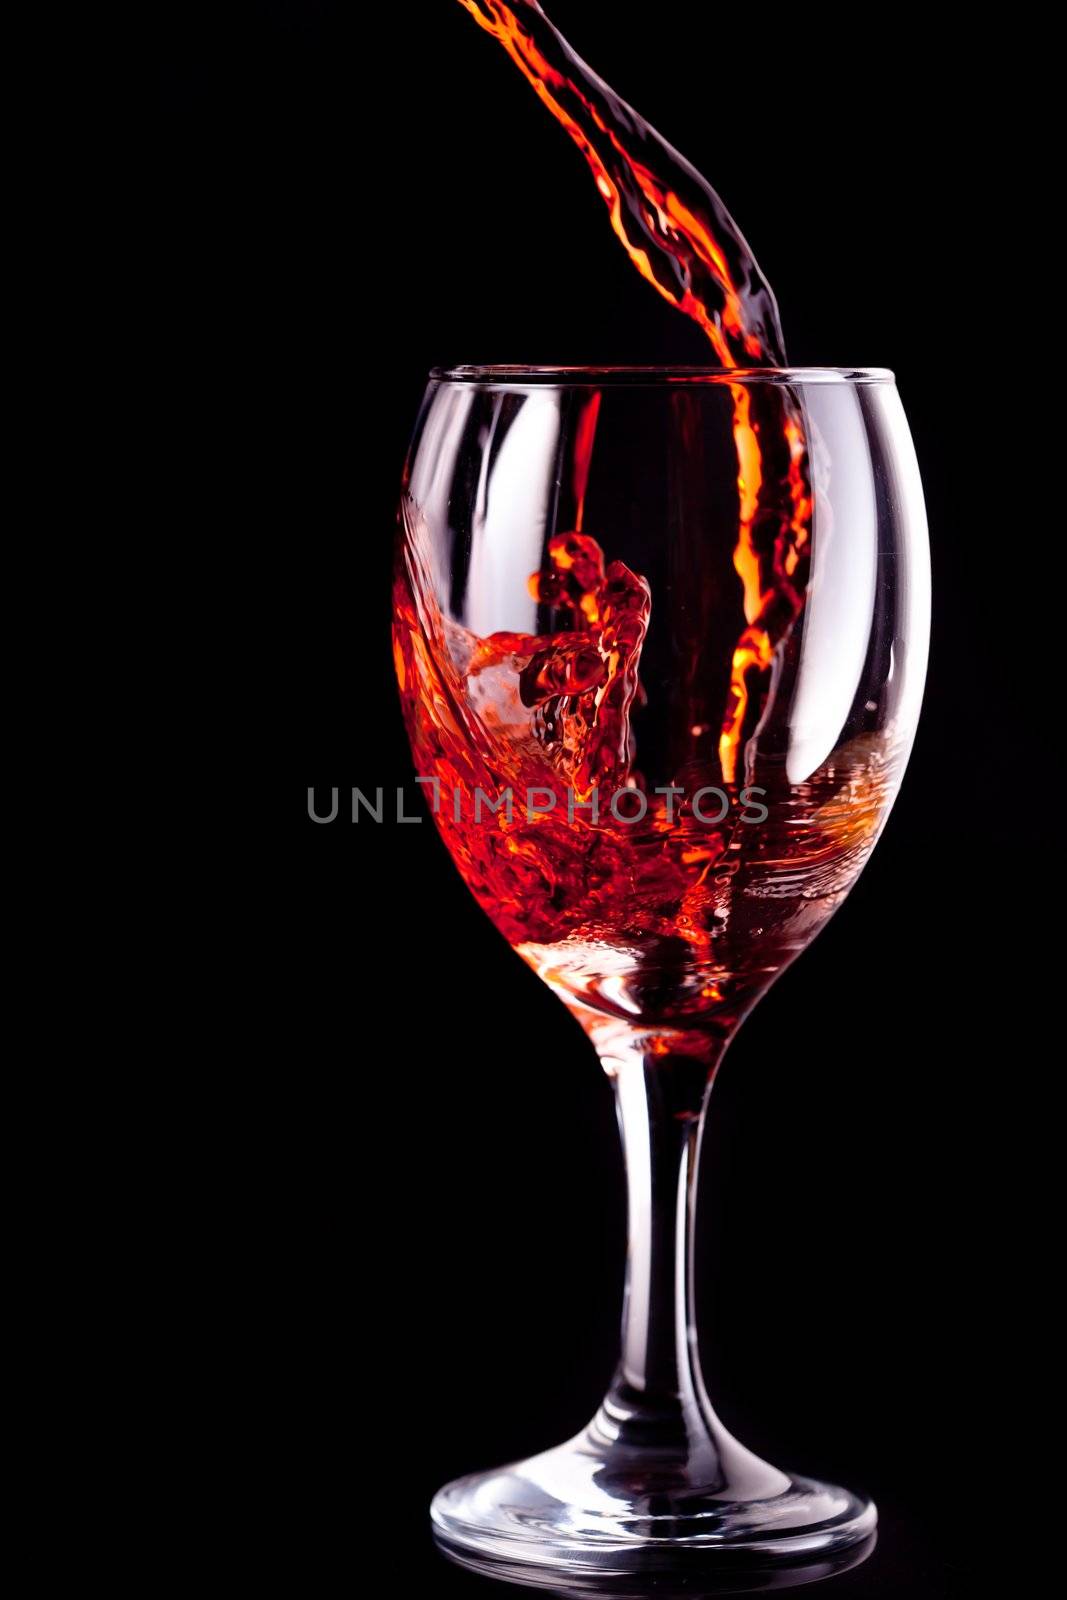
(661, 637)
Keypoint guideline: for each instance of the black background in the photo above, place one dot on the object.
(401, 1254)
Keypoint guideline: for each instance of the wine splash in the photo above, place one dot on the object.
(627, 905)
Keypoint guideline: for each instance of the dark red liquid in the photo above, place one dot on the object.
(664, 919)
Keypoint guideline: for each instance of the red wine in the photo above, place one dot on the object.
(639, 905)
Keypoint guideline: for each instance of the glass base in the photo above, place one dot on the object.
(582, 1509)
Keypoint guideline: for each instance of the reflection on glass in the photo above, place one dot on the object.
(749, 1578)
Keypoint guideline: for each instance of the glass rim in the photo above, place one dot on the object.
(601, 376)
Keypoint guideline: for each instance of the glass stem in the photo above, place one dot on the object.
(657, 1400)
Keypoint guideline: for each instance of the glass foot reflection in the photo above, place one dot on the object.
(688, 1579)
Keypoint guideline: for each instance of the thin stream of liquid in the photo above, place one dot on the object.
(682, 239)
